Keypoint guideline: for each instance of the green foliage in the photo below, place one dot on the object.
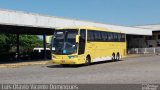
(3, 38)
(30, 41)
(8, 41)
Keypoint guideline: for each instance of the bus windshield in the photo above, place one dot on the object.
(64, 42)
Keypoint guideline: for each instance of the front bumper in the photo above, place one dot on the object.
(65, 61)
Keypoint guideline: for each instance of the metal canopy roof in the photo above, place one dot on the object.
(153, 27)
(13, 29)
(89, 28)
(16, 18)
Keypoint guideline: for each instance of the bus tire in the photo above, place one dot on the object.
(88, 60)
(118, 56)
(113, 57)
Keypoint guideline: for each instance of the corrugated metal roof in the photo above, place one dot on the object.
(9, 17)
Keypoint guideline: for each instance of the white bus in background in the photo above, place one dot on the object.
(39, 50)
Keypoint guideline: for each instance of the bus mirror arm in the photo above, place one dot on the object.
(77, 38)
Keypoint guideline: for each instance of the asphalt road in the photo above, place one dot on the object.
(135, 70)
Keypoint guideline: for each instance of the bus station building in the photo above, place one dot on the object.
(17, 22)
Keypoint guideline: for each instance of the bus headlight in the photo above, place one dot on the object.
(53, 57)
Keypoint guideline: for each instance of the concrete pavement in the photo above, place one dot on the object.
(137, 70)
(43, 62)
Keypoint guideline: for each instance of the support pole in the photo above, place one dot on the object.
(17, 42)
(44, 46)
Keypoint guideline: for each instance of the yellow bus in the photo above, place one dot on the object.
(85, 45)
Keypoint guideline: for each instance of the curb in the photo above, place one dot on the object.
(19, 64)
(139, 55)
(134, 55)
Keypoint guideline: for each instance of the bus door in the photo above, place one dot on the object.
(82, 42)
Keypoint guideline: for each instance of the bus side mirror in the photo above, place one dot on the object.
(77, 38)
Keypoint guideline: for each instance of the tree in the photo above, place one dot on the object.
(8, 41)
(4, 45)
(3, 38)
(30, 41)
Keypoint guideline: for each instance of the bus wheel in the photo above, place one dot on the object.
(113, 57)
(118, 56)
(88, 60)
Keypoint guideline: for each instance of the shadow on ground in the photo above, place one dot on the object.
(81, 65)
(21, 61)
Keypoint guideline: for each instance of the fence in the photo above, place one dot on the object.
(153, 50)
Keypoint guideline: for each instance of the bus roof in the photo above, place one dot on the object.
(89, 28)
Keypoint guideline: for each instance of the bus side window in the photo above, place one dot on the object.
(119, 37)
(103, 34)
(115, 36)
(106, 36)
(110, 36)
(122, 37)
(100, 34)
(90, 36)
(97, 35)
